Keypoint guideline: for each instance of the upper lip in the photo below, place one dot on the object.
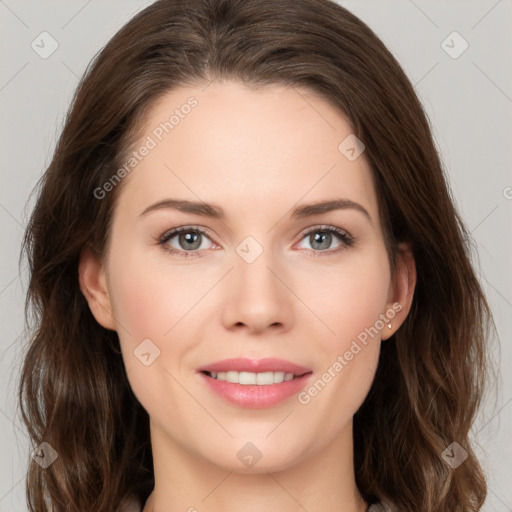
(269, 364)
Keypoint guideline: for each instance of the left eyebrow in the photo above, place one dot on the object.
(215, 211)
(308, 210)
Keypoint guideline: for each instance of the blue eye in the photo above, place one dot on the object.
(323, 236)
(190, 240)
(188, 237)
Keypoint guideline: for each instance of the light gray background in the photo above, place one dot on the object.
(468, 99)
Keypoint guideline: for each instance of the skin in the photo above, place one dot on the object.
(257, 154)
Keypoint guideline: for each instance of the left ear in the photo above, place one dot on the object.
(93, 284)
(401, 290)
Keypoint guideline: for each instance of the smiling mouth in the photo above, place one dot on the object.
(250, 378)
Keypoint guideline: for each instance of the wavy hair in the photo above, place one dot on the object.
(74, 393)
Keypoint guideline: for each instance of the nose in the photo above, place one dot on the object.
(256, 296)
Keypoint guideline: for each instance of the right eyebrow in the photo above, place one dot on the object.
(198, 208)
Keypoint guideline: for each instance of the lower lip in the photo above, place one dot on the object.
(252, 396)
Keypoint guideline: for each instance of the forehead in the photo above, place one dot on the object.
(245, 148)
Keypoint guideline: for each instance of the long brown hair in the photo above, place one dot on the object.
(74, 393)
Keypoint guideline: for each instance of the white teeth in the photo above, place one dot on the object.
(261, 379)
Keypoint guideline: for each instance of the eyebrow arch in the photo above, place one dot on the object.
(198, 208)
(308, 210)
(216, 212)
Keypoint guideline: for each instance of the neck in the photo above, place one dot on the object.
(320, 481)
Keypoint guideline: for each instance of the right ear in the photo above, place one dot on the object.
(93, 284)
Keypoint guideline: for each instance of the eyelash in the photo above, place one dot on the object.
(346, 239)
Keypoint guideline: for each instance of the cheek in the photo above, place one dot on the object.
(347, 297)
(349, 300)
(157, 299)
(150, 294)
(150, 301)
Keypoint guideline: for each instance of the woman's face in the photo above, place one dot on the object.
(253, 275)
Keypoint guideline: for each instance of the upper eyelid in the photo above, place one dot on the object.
(174, 231)
(327, 227)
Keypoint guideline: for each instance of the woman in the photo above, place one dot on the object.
(320, 345)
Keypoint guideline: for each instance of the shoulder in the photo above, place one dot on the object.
(130, 505)
(382, 507)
